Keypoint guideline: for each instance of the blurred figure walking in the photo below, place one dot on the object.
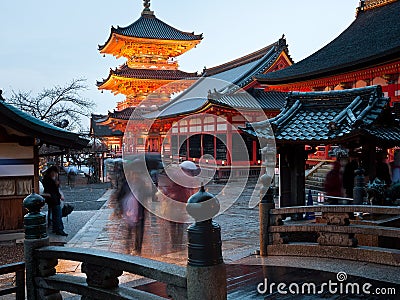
(131, 191)
(333, 182)
(177, 184)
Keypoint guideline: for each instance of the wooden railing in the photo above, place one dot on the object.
(19, 288)
(203, 278)
(102, 270)
(337, 233)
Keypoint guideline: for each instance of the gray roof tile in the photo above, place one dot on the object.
(373, 37)
(309, 122)
(150, 27)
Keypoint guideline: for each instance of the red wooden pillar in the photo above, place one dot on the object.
(229, 141)
(215, 138)
(254, 154)
(215, 147)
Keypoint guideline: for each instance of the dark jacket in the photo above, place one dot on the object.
(51, 187)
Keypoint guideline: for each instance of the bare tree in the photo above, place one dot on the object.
(62, 106)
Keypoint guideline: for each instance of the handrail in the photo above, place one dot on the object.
(19, 288)
(392, 232)
(335, 234)
(314, 169)
(78, 285)
(374, 209)
(160, 271)
(338, 198)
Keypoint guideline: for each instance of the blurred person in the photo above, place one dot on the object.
(72, 172)
(382, 168)
(132, 190)
(333, 182)
(170, 187)
(51, 185)
(348, 177)
(395, 166)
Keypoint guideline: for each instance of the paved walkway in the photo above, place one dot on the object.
(240, 230)
(104, 231)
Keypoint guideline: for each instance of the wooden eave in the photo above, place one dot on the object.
(116, 43)
(370, 63)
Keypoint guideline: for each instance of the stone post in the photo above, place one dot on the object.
(206, 271)
(99, 276)
(266, 204)
(36, 237)
(359, 187)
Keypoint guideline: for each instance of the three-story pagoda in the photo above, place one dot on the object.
(150, 47)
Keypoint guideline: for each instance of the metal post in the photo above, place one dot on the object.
(35, 237)
(206, 271)
(359, 187)
(266, 204)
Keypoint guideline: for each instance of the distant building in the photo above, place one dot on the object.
(366, 53)
(150, 47)
(239, 73)
(21, 136)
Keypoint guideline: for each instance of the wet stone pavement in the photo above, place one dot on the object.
(240, 235)
(101, 229)
(166, 241)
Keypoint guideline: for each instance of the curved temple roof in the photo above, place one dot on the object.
(318, 117)
(230, 77)
(20, 121)
(148, 26)
(125, 71)
(242, 70)
(255, 99)
(373, 38)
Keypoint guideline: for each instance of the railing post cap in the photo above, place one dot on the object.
(34, 203)
(202, 206)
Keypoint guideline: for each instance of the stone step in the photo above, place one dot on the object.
(314, 187)
(315, 183)
(316, 179)
(321, 173)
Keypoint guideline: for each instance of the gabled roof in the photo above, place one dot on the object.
(242, 70)
(124, 114)
(148, 26)
(179, 108)
(102, 123)
(252, 99)
(20, 121)
(255, 100)
(127, 72)
(99, 130)
(372, 39)
(319, 117)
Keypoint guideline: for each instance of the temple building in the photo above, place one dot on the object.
(345, 94)
(366, 53)
(237, 100)
(207, 123)
(21, 138)
(356, 119)
(150, 47)
(151, 74)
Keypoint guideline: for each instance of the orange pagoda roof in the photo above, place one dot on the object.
(129, 81)
(149, 36)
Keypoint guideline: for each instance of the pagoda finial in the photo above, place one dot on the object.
(146, 10)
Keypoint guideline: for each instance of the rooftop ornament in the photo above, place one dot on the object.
(146, 10)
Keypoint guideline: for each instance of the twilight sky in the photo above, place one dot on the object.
(46, 42)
